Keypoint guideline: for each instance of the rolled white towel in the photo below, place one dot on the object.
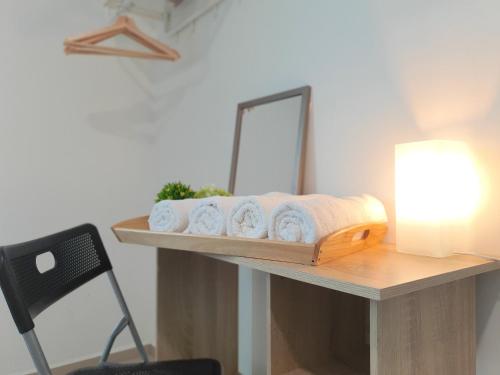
(171, 215)
(249, 217)
(209, 216)
(373, 209)
(309, 218)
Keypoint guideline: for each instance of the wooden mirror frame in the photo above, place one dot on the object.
(298, 175)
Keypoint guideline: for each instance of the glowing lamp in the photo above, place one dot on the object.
(437, 194)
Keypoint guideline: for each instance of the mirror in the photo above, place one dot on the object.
(269, 143)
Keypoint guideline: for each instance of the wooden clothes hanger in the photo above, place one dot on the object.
(88, 43)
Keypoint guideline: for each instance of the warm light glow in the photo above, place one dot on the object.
(437, 189)
(436, 181)
(444, 87)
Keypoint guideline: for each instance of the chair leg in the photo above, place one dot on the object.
(122, 324)
(36, 353)
(126, 313)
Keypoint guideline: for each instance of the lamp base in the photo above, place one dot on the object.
(437, 240)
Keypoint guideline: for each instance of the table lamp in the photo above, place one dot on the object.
(437, 194)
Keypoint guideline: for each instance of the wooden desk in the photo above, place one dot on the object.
(374, 312)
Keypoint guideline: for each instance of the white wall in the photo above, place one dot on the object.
(382, 72)
(72, 150)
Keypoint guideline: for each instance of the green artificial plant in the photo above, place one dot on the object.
(210, 191)
(175, 191)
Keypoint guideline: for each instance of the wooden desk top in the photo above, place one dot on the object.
(378, 273)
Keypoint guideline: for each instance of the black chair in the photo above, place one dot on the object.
(79, 257)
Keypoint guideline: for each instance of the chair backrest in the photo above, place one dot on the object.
(79, 256)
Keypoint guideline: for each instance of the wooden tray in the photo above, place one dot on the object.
(343, 242)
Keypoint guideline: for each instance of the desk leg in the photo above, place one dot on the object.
(254, 322)
(427, 332)
(197, 308)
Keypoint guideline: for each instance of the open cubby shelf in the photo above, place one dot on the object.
(317, 331)
(332, 368)
(312, 330)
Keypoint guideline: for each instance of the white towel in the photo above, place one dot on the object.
(209, 216)
(170, 215)
(249, 217)
(309, 218)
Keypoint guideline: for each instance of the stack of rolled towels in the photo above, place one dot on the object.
(277, 216)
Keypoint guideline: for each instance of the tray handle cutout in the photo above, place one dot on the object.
(348, 241)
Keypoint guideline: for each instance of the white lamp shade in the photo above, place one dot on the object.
(437, 193)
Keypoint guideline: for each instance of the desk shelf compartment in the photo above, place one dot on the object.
(318, 331)
(335, 245)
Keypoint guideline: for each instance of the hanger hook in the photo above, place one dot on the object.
(125, 6)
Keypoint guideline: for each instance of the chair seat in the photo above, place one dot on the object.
(180, 367)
